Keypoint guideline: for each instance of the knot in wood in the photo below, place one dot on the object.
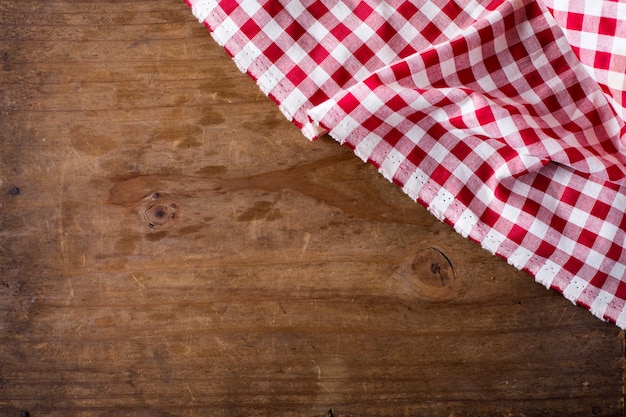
(433, 268)
(159, 211)
(430, 275)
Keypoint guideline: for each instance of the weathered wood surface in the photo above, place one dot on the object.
(171, 246)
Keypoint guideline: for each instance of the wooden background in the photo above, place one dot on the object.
(172, 246)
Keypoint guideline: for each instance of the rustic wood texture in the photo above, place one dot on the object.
(172, 246)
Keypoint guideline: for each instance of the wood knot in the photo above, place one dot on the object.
(429, 274)
(159, 211)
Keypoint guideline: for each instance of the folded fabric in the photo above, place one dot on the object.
(504, 118)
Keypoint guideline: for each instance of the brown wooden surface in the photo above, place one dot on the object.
(171, 246)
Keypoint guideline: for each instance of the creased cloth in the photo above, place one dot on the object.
(504, 118)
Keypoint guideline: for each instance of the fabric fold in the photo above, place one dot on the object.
(596, 31)
(492, 114)
(550, 109)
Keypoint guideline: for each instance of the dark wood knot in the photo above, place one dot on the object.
(159, 211)
(429, 274)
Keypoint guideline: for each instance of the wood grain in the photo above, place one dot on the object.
(172, 246)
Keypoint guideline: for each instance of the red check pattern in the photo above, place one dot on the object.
(505, 118)
(596, 30)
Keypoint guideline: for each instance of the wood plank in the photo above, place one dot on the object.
(172, 246)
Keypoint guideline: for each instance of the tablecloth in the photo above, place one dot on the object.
(505, 118)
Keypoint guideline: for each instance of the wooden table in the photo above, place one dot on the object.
(172, 246)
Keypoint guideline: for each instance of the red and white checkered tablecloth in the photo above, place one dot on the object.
(505, 118)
